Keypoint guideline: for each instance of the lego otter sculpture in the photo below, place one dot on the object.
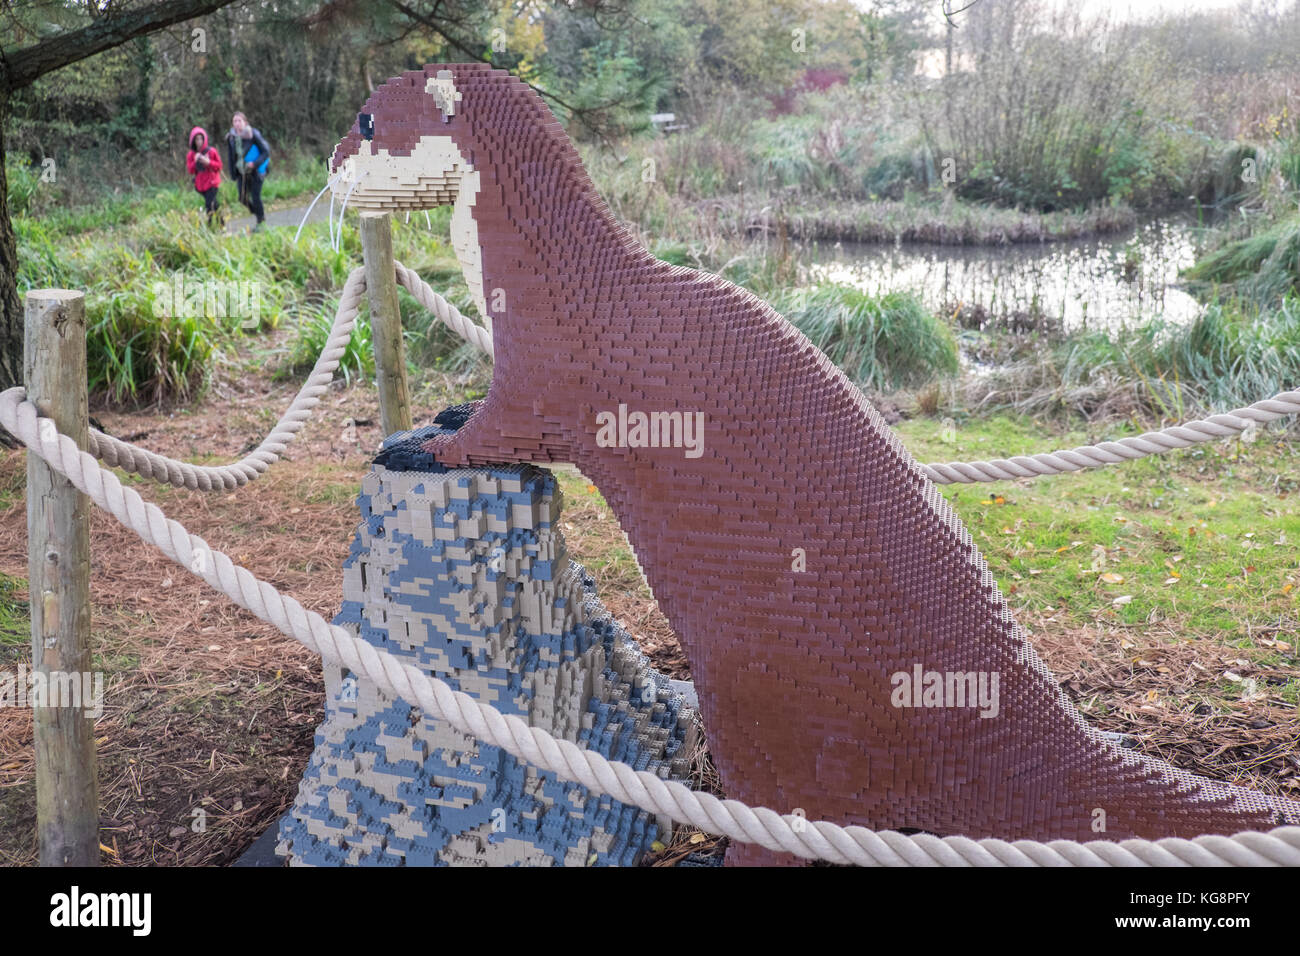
(853, 657)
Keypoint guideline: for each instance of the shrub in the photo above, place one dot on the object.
(886, 342)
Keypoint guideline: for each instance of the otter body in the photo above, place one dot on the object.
(801, 556)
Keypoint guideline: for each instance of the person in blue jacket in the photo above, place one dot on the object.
(249, 161)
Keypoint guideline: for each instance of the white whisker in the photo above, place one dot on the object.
(331, 230)
(344, 208)
(311, 207)
(427, 221)
(408, 215)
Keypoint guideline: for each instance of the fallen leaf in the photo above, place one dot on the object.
(1110, 577)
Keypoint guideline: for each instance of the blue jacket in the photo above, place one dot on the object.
(255, 149)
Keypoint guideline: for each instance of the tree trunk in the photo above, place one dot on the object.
(11, 309)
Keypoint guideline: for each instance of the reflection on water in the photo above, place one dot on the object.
(1089, 283)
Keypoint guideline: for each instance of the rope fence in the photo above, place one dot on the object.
(120, 454)
(819, 840)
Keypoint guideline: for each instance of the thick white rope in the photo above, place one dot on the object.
(447, 313)
(1125, 449)
(117, 453)
(1000, 469)
(120, 454)
(821, 840)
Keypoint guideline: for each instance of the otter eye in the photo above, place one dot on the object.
(367, 124)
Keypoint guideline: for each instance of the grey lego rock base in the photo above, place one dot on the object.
(465, 574)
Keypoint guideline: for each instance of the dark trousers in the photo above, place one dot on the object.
(250, 194)
(210, 204)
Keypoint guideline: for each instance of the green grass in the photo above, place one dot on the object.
(142, 348)
(1231, 355)
(314, 324)
(62, 214)
(1262, 268)
(15, 620)
(1204, 538)
(883, 342)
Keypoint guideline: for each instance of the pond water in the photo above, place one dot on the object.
(1105, 282)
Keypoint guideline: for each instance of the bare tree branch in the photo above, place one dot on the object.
(22, 67)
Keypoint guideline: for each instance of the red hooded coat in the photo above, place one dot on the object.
(204, 179)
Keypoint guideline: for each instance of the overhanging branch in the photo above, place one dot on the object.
(22, 67)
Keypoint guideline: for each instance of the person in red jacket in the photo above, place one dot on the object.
(204, 164)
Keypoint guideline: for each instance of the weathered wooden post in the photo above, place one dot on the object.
(385, 322)
(58, 541)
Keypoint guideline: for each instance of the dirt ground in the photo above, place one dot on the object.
(209, 714)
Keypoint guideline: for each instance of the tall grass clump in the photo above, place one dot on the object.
(133, 355)
(146, 346)
(315, 320)
(1231, 355)
(881, 342)
(1263, 268)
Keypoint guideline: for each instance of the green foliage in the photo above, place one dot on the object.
(1262, 268)
(314, 324)
(1044, 108)
(885, 343)
(1229, 356)
(167, 294)
(133, 355)
(24, 183)
(15, 616)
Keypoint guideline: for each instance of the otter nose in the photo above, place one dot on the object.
(366, 123)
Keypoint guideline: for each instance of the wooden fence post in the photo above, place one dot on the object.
(58, 541)
(385, 322)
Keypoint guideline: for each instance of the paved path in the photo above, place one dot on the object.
(278, 217)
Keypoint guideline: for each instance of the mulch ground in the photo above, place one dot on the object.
(209, 713)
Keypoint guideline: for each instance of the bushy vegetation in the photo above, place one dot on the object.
(167, 294)
(1263, 268)
(883, 343)
(1227, 357)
